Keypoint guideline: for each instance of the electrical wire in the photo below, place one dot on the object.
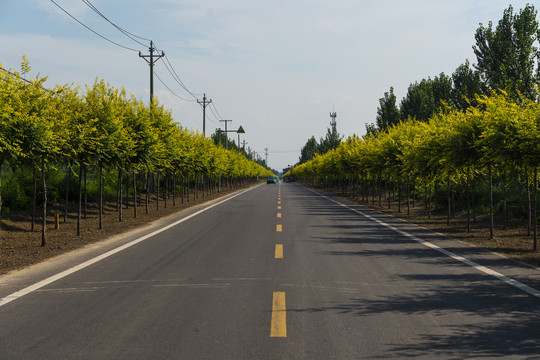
(172, 92)
(123, 31)
(213, 113)
(25, 80)
(95, 32)
(217, 112)
(177, 78)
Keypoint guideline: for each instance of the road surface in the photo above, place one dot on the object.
(274, 272)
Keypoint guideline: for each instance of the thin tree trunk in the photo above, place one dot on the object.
(166, 189)
(491, 216)
(157, 194)
(449, 201)
(44, 184)
(468, 203)
(408, 198)
(174, 192)
(85, 194)
(119, 186)
(147, 200)
(535, 222)
(429, 203)
(79, 205)
(134, 194)
(34, 195)
(101, 210)
(529, 214)
(1, 162)
(399, 197)
(68, 179)
(187, 188)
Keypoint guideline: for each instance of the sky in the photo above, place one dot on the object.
(276, 68)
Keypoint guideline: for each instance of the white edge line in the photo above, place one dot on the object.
(27, 290)
(484, 269)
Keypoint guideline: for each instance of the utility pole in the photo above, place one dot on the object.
(226, 136)
(266, 155)
(204, 102)
(151, 62)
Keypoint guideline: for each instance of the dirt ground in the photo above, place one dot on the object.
(21, 247)
(511, 243)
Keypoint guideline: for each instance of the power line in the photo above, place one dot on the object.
(95, 32)
(217, 112)
(177, 78)
(26, 80)
(123, 31)
(172, 92)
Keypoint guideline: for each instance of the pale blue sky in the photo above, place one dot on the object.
(277, 68)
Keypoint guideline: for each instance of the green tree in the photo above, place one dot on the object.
(506, 54)
(387, 113)
(466, 84)
(331, 141)
(309, 150)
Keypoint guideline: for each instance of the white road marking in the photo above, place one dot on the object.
(29, 289)
(484, 269)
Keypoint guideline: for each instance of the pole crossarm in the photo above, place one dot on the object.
(151, 60)
(205, 102)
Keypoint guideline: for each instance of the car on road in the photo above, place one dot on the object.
(271, 180)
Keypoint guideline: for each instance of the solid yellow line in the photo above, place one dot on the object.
(278, 228)
(278, 215)
(278, 254)
(279, 319)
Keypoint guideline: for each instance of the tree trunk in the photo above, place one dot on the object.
(100, 195)
(166, 189)
(449, 201)
(491, 215)
(429, 203)
(147, 200)
(79, 205)
(529, 214)
(399, 197)
(157, 194)
(1, 162)
(535, 222)
(68, 178)
(44, 184)
(134, 194)
(408, 198)
(85, 194)
(174, 192)
(119, 186)
(468, 203)
(34, 195)
(187, 188)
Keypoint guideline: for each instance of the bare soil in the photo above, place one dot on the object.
(21, 247)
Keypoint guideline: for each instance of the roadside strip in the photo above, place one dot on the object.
(27, 290)
(484, 269)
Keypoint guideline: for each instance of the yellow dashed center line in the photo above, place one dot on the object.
(279, 228)
(279, 207)
(279, 317)
(278, 254)
(278, 215)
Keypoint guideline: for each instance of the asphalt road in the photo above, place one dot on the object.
(276, 272)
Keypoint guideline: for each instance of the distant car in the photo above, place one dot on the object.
(271, 180)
